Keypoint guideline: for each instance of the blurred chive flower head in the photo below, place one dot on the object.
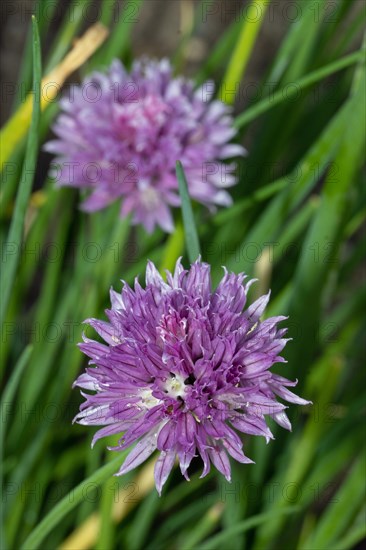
(120, 135)
(183, 369)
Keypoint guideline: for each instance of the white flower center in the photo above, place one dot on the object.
(175, 386)
(148, 400)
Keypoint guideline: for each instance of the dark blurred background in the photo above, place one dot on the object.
(158, 29)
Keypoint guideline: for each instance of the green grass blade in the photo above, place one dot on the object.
(325, 232)
(305, 175)
(106, 15)
(182, 517)
(12, 384)
(119, 37)
(16, 228)
(310, 25)
(353, 537)
(289, 45)
(286, 93)
(190, 231)
(336, 518)
(295, 226)
(240, 57)
(325, 471)
(143, 521)
(349, 34)
(173, 248)
(333, 27)
(185, 491)
(264, 193)
(69, 503)
(45, 311)
(306, 31)
(107, 525)
(44, 11)
(217, 540)
(221, 51)
(15, 150)
(71, 24)
(206, 524)
(322, 385)
(6, 400)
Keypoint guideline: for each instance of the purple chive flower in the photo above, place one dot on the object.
(183, 370)
(120, 135)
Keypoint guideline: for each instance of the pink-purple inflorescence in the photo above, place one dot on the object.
(184, 369)
(120, 134)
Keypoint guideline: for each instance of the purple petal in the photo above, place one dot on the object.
(162, 469)
(236, 452)
(221, 461)
(282, 419)
(167, 437)
(142, 450)
(254, 311)
(288, 395)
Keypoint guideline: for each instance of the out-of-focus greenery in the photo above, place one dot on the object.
(296, 224)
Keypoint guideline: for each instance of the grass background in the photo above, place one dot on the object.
(297, 224)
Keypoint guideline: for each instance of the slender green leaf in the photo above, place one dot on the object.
(183, 516)
(265, 192)
(355, 535)
(107, 525)
(220, 52)
(44, 11)
(289, 48)
(321, 389)
(322, 241)
(241, 54)
(71, 24)
(287, 93)
(118, 39)
(217, 540)
(69, 503)
(339, 514)
(191, 537)
(14, 240)
(183, 491)
(294, 228)
(190, 231)
(143, 521)
(299, 182)
(174, 247)
(6, 402)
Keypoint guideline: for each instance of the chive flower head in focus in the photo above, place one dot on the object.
(184, 369)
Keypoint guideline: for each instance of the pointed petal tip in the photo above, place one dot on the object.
(93, 441)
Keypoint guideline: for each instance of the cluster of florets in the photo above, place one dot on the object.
(185, 369)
